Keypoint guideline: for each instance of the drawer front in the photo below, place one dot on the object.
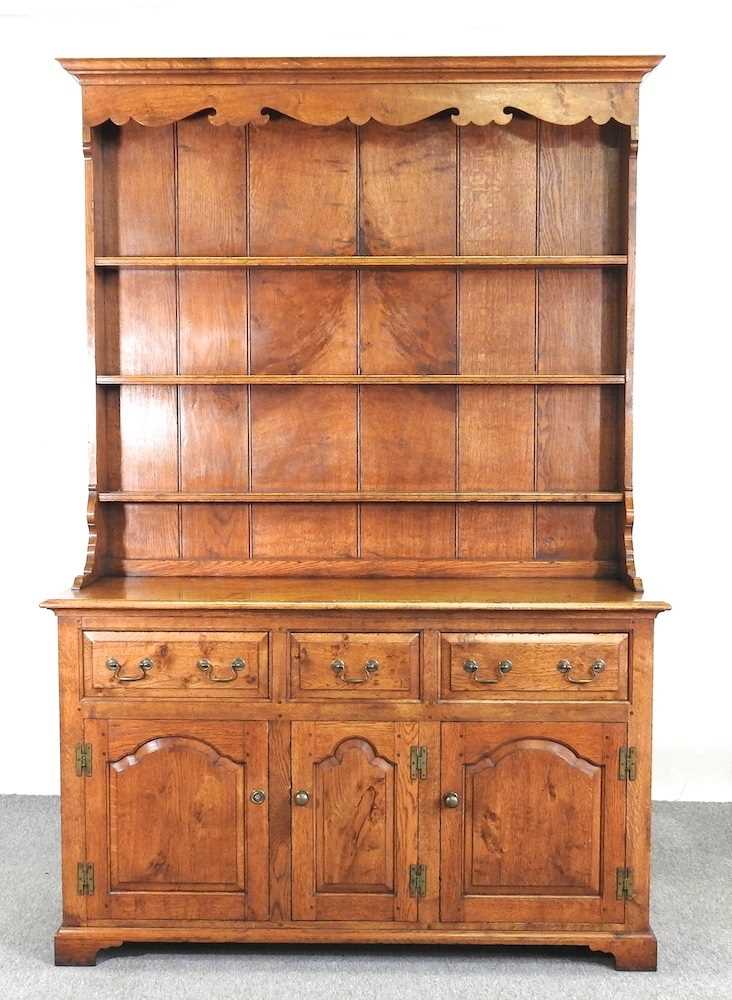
(354, 665)
(173, 664)
(555, 667)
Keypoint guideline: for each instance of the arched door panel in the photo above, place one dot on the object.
(539, 827)
(172, 830)
(355, 836)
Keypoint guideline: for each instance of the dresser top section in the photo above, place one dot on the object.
(200, 593)
(414, 68)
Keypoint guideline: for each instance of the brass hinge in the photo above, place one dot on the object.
(85, 878)
(83, 758)
(627, 763)
(418, 763)
(624, 883)
(417, 880)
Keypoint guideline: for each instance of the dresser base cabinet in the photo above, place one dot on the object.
(373, 814)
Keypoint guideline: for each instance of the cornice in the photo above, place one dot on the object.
(563, 90)
(452, 69)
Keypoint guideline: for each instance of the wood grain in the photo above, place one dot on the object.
(120, 593)
(312, 655)
(361, 261)
(353, 839)
(370, 496)
(175, 658)
(498, 188)
(534, 660)
(408, 323)
(587, 459)
(540, 378)
(302, 189)
(570, 811)
(496, 438)
(315, 531)
(303, 437)
(407, 189)
(407, 443)
(580, 173)
(303, 323)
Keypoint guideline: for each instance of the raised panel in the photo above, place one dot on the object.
(534, 666)
(557, 811)
(174, 664)
(355, 820)
(169, 782)
(540, 826)
(171, 829)
(394, 658)
(356, 835)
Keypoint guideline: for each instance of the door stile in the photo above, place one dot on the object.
(428, 824)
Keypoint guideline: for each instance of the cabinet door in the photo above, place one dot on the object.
(355, 835)
(172, 830)
(538, 828)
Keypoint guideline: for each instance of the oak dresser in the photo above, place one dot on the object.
(359, 652)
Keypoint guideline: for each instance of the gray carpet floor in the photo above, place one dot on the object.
(692, 918)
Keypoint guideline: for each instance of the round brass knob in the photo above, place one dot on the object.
(451, 800)
(301, 798)
(258, 796)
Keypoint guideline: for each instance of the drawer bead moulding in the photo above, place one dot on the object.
(359, 652)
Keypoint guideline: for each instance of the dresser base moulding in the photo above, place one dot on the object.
(80, 945)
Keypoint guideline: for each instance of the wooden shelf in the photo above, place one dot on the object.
(360, 261)
(236, 379)
(142, 496)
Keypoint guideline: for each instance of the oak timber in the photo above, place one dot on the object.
(359, 647)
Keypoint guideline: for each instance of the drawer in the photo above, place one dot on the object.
(517, 665)
(169, 664)
(354, 665)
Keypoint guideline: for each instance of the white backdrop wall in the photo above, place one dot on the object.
(682, 454)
